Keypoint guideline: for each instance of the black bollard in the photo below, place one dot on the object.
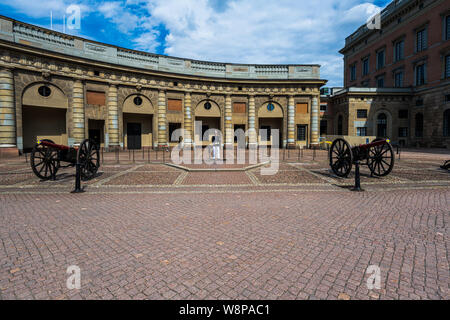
(78, 188)
(357, 178)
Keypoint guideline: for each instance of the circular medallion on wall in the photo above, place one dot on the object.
(137, 101)
(44, 91)
(270, 107)
(207, 106)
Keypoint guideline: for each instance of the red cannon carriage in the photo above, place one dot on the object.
(378, 156)
(47, 156)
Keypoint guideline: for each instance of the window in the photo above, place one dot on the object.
(447, 66)
(447, 98)
(44, 91)
(361, 131)
(420, 74)
(353, 72)
(447, 123)
(398, 50)
(403, 114)
(380, 59)
(207, 105)
(361, 114)
(447, 28)
(419, 102)
(382, 125)
(398, 79)
(301, 132)
(323, 108)
(323, 127)
(365, 68)
(419, 125)
(380, 82)
(402, 132)
(421, 40)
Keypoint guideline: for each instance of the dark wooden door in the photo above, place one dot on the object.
(134, 136)
(94, 135)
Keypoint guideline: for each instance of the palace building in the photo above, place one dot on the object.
(66, 89)
(397, 78)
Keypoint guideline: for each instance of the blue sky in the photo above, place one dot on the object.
(238, 31)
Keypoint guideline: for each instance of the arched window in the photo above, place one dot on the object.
(340, 126)
(419, 125)
(382, 125)
(447, 123)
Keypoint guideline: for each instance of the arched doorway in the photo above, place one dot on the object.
(207, 119)
(446, 126)
(270, 121)
(340, 126)
(44, 108)
(138, 122)
(419, 125)
(382, 125)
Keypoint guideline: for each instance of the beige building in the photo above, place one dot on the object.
(397, 78)
(66, 88)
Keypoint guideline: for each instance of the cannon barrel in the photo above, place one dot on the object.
(373, 144)
(54, 145)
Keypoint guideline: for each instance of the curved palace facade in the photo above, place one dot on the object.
(66, 88)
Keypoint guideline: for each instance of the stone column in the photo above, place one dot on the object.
(113, 117)
(315, 122)
(291, 123)
(229, 134)
(162, 139)
(78, 132)
(187, 119)
(252, 135)
(7, 110)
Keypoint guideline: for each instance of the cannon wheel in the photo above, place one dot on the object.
(44, 161)
(341, 158)
(381, 159)
(88, 157)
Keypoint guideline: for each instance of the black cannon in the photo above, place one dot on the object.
(47, 156)
(378, 156)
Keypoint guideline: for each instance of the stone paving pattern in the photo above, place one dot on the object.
(149, 231)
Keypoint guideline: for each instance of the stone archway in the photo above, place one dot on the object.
(209, 113)
(139, 122)
(382, 124)
(44, 114)
(270, 117)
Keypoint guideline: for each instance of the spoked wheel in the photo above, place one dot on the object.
(446, 165)
(381, 159)
(44, 161)
(341, 158)
(89, 158)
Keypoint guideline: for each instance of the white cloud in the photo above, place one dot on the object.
(261, 31)
(117, 12)
(238, 31)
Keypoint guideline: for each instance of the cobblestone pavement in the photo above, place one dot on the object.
(150, 231)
